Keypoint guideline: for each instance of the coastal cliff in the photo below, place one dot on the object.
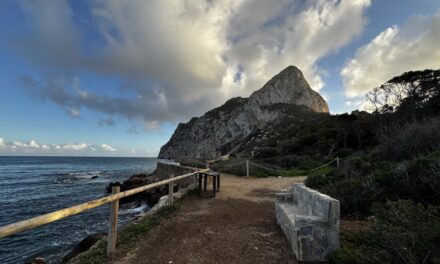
(221, 130)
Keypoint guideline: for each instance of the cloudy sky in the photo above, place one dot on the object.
(114, 77)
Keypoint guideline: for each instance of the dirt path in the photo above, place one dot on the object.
(238, 226)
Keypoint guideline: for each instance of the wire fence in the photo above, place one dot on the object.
(248, 164)
(231, 165)
(245, 166)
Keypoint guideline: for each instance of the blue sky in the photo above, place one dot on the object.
(114, 78)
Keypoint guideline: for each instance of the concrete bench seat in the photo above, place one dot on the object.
(310, 221)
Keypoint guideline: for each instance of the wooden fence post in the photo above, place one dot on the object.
(113, 223)
(170, 191)
(247, 168)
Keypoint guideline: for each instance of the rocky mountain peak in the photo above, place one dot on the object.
(289, 86)
(222, 129)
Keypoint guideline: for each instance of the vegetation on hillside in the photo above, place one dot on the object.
(390, 166)
(397, 181)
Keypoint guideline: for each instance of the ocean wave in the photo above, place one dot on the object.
(63, 181)
(55, 174)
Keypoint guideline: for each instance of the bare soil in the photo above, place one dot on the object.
(237, 226)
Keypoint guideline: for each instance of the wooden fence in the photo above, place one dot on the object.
(114, 198)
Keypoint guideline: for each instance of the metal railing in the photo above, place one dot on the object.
(31, 223)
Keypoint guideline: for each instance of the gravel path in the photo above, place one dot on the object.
(238, 226)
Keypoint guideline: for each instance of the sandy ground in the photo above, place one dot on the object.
(237, 226)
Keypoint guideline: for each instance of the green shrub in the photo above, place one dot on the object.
(324, 145)
(289, 145)
(353, 184)
(425, 179)
(307, 140)
(267, 152)
(404, 232)
(418, 180)
(411, 139)
(355, 195)
(342, 153)
(319, 180)
(407, 232)
(356, 167)
(348, 254)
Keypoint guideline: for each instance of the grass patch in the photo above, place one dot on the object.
(129, 235)
(192, 192)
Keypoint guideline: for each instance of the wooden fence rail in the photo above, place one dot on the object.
(37, 221)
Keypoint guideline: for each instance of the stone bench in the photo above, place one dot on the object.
(310, 221)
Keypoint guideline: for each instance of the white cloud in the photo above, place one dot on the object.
(33, 144)
(181, 58)
(355, 103)
(106, 147)
(19, 144)
(414, 46)
(77, 146)
(45, 147)
(269, 39)
(34, 148)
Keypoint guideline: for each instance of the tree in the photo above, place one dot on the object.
(414, 94)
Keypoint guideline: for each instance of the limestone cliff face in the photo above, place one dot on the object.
(222, 129)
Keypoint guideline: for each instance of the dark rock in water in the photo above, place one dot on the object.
(82, 246)
(37, 260)
(95, 177)
(133, 182)
(138, 180)
(152, 197)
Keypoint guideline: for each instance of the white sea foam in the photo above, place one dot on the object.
(137, 210)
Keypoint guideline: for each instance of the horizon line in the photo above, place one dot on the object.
(77, 156)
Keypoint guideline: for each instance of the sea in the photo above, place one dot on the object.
(32, 186)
